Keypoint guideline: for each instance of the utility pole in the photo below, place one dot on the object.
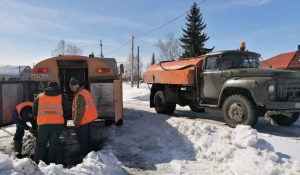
(132, 59)
(101, 55)
(138, 67)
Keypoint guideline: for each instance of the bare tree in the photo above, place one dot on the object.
(169, 48)
(127, 69)
(63, 48)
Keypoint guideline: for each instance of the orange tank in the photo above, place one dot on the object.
(168, 73)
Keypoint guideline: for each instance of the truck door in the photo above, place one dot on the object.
(211, 78)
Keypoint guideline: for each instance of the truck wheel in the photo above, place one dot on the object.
(284, 120)
(195, 108)
(161, 106)
(238, 109)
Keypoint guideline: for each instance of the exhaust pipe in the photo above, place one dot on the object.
(269, 118)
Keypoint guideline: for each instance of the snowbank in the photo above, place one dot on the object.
(235, 152)
(101, 162)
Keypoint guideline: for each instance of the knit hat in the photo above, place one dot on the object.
(73, 82)
(53, 84)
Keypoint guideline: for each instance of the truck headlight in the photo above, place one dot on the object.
(271, 88)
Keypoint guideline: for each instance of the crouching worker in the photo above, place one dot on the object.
(84, 112)
(50, 109)
(22, 114)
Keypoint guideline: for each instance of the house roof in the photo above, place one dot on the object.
(12, 70)
(279, 61)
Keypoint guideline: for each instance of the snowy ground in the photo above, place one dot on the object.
(184, 143)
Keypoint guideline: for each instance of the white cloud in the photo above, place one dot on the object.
(152, 41)
(111, 20)
(248, 3)
(21, 16)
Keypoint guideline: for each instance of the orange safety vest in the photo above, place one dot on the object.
(20, 106)
(90, 113)
(50, 110)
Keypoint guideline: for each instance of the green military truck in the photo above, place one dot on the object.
(231, 82)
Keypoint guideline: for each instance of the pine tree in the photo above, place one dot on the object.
(152, 59)
(194, 38)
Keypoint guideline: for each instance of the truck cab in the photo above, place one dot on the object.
(231, 82)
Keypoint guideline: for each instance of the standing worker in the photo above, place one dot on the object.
(50, 109)
(84, 112)
(22, 114)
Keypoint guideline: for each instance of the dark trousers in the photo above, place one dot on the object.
(84, 137)
(45, 135)
(19, 133)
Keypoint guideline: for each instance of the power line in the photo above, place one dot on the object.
(119, 48)
(167, 22)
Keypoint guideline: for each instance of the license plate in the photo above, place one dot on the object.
(297, 105)
(41, 75)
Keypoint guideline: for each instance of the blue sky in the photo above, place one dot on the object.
(30, 29)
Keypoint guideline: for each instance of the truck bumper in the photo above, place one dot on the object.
(284, 108)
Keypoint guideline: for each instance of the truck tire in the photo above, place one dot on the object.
(238, 110)
(160, 104)
(195, 108)
(283, 120)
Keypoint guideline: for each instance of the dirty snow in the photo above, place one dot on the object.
(150, 143)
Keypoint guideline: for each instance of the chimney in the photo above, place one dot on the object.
(298, 47)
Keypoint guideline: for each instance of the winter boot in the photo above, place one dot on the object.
(18, 148)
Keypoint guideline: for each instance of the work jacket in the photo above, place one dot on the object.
(18, 118)
(50, 110)
(52, 92)
(90, 112)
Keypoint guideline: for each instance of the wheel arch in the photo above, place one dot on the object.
(228, 91)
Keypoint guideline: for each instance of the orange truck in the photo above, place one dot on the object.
(101, 76)
(231, 82)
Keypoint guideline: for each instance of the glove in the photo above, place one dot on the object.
(77, 125)
(33, 132)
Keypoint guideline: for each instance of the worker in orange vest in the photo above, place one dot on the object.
(22, 114)
(84, 112)
(50, 110)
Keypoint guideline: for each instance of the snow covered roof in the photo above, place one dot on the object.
(13, 70)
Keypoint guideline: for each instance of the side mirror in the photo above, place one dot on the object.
(121, 68)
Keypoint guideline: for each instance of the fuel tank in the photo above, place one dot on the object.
(174, 72)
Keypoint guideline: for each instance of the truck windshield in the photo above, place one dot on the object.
(231, 61)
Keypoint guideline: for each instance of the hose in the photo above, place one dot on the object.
(181, 68)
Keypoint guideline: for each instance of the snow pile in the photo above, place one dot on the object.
(101, 162)
(235, 152)
(13, 166)
(137, 95)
